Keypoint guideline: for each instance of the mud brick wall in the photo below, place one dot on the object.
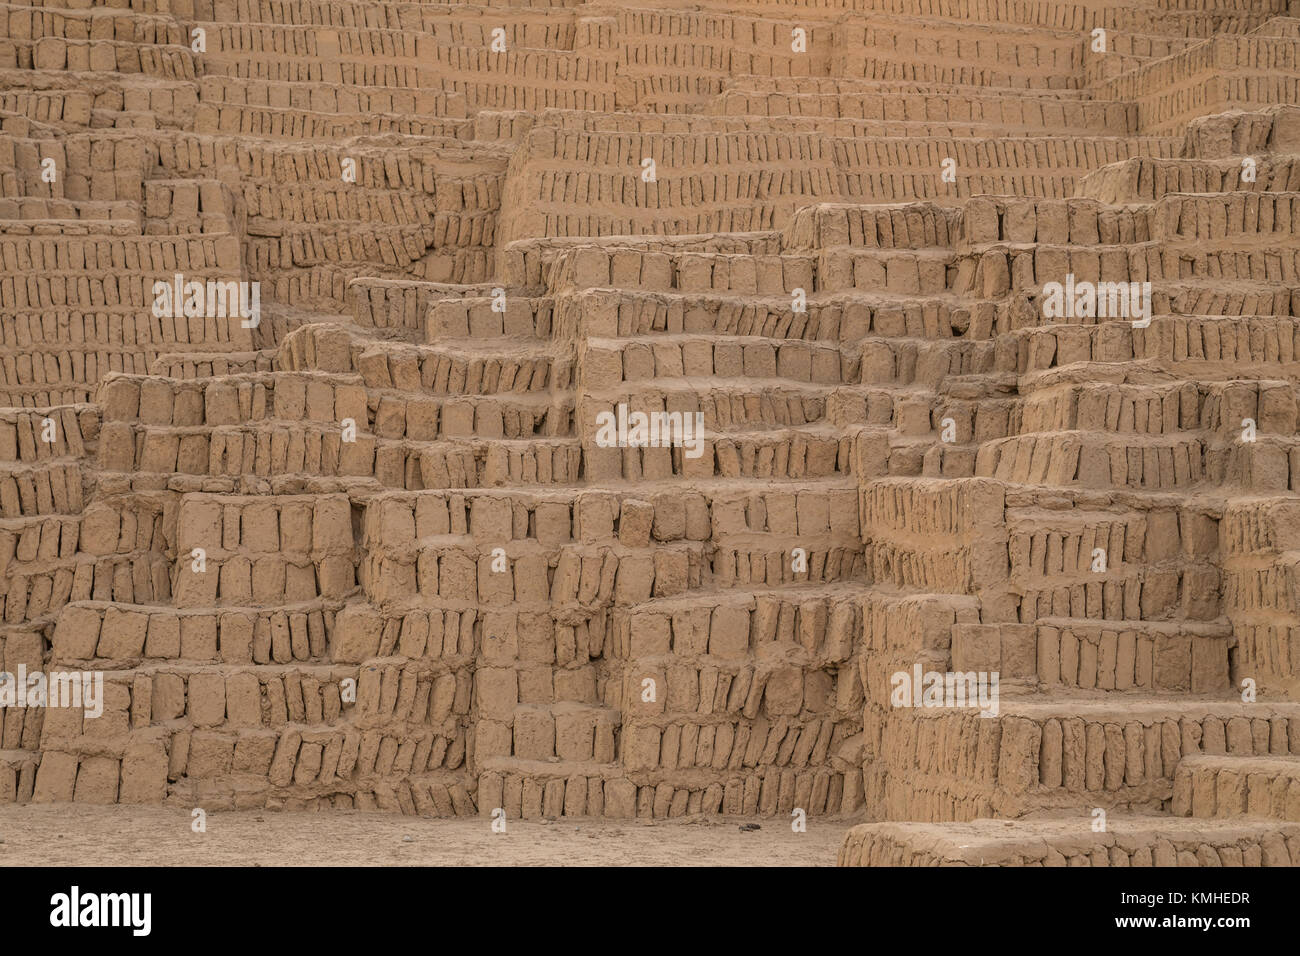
(895, 845)
(1258, 591)
(371, 554)
(1038, 759)
(82, 308)
(1210, 77)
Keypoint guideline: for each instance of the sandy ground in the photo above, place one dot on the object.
(78, 835)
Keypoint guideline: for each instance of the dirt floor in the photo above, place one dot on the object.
(79, 835)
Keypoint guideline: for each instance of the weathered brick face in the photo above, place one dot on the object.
(317, 318)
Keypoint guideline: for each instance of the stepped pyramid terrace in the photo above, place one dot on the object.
(872, 411)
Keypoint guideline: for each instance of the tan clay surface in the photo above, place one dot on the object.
(61, 835)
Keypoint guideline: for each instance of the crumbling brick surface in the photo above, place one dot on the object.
(967, 338)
